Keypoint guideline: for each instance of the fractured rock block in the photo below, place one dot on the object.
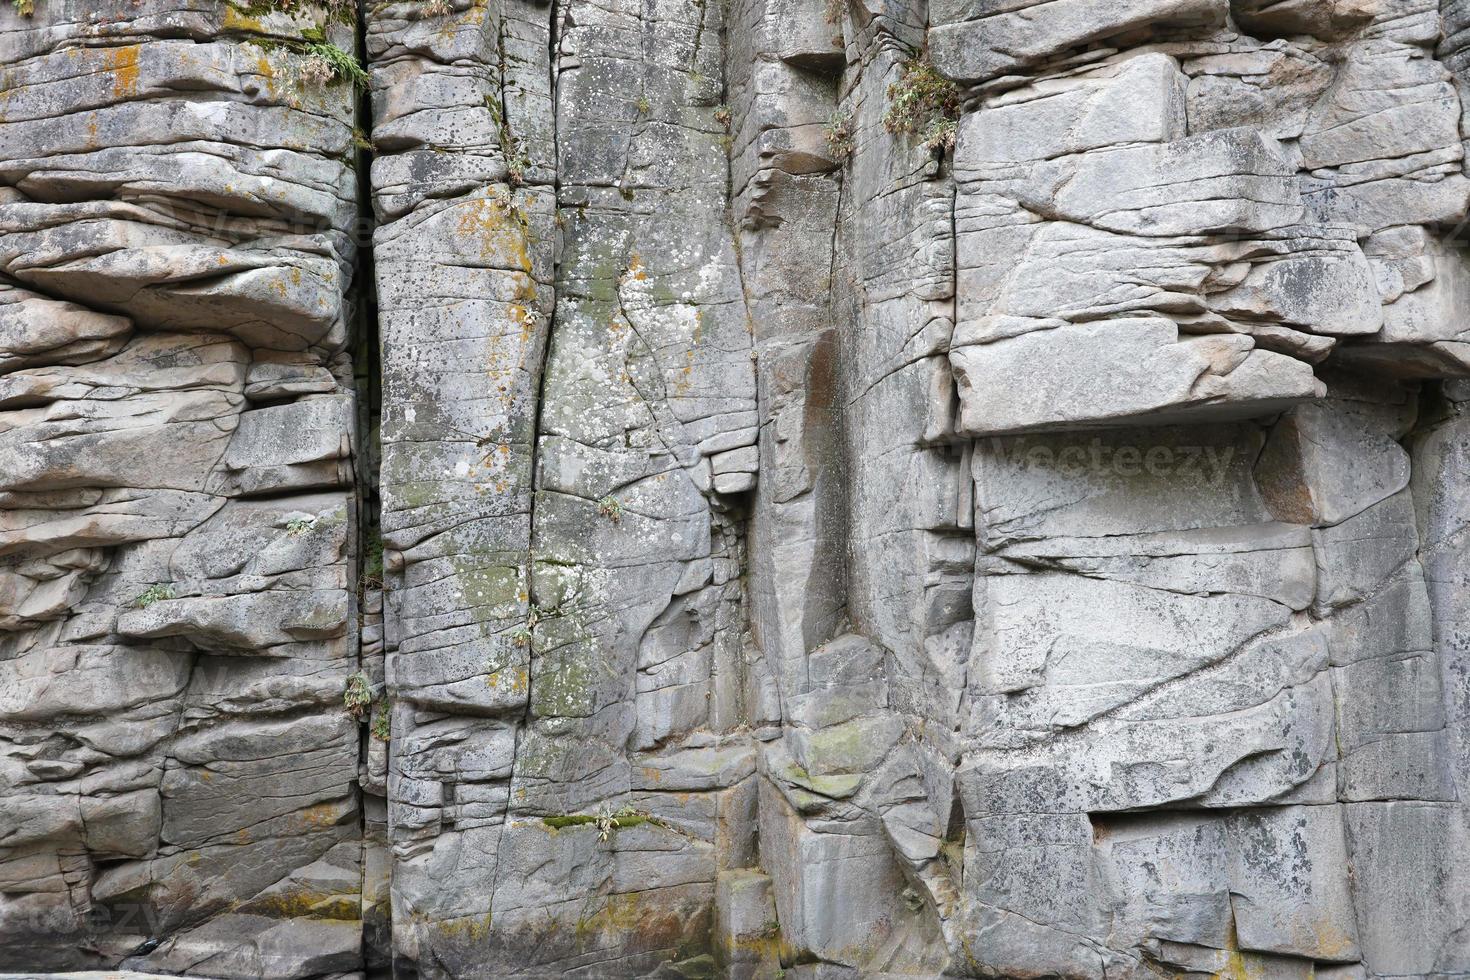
(976, 40)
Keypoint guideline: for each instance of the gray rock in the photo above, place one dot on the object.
(872, 488)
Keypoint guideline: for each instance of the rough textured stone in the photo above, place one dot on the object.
(740, 488)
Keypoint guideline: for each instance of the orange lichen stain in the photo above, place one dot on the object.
(635, 268)
(653, 775)
(223, 260)
(518, 681)
(92, 129)
(122, 64)
(501, 231)
(319, 815)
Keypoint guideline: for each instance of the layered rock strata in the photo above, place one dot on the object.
(744, 488)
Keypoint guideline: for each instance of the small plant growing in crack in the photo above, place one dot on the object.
(608, 819)
(611, 508)
(372, 565)
(838, 133)
(383, 723)
(154, 593)
(438, 8)
(298, 526)
(357, 698)
(643, 105)
(521, 635)
(923, 103)
(324, 63)
(24, 7)
(723, 115)
(517, 161)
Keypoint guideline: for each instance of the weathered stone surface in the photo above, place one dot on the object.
(764, 488)
(176, 227)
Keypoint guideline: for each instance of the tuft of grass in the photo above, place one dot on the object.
(517, 161)
(438, 8)
(154, 593)
(357, 697)
(838, 132)
(383, 723)
(923, 103)
(372, 565)
(324, 63)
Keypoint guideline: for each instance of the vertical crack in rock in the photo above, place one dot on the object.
(463, 186)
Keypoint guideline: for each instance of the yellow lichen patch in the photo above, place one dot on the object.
(268, 72)
(306, 905)
(1332, 943)
(516, 681)
(522, 318)
(122, 64)
(472, 927)
(237, 20)
(499, 229)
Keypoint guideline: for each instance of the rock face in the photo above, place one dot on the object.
(747, 488)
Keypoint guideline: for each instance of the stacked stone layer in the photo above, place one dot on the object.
(630, 489)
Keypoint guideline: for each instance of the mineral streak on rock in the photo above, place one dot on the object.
(513, 489)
